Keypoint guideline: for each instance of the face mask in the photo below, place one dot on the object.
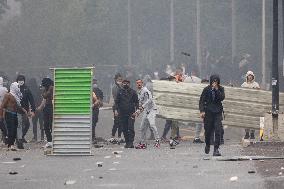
(125, 86)
(119, 83)
(21, 83)
(95, 85)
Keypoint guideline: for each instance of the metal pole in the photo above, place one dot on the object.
(263, 81)
(275, 80)
(198, 50)
(129, 32)
(233, 34)
(172, 40)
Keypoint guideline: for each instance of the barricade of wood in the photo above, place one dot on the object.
(243, 107)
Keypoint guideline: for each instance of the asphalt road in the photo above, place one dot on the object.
(186, 166)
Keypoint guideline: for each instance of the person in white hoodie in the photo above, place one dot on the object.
(3, 91)
(250, 83)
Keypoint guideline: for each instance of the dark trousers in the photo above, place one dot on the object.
(38, 118)
(213, 123)
(116, 127)
(167, 128)
(95, 119)
(12, 125)
(127, 124)
(3, 128)
(47, 121)
(26, 125)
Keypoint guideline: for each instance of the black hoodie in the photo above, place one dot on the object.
(206, 102)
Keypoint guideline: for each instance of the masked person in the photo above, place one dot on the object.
(211, 110)
(126, 103)
(252, 84)
(26, 102)
(149, 109)
(116, 126)
(3, 91)
(9, 108)
(97, 103)
(47, 106)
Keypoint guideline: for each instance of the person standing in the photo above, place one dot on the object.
(98, 96)
(149, 109)
(126, 103)
(3, 91)
(211, 110)
(26, 102)
(252, 84)
(9, 109)
(116, 126)
(47, 106)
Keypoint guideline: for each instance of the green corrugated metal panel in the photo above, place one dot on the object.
(72, 86)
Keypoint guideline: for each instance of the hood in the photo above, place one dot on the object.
(15, 91)
(213, 78)
(1, 81)
(250, 73)
(21, 78)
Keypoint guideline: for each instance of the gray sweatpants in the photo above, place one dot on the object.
(151, 118)
(198, 129)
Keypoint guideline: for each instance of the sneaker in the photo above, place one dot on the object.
(48, 145)
(246, 136)
(141, 146)
(113, 140)
(13, 148)
(198, 140)
(157, 144)
(173, 142)
(216, 152)
(207, 149)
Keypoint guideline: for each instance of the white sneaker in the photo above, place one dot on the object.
(48, 145)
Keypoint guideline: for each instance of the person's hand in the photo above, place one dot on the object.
(215, 85)
(115, 113)
(32, 114)
(202, 115)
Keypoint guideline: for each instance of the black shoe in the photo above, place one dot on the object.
(128, 146)
(216, 152)
(198, 140)
(207, 149)
(252, 136)
(20, 144)
(246, 136)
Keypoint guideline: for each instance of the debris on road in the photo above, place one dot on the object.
(107, 157)
(70, 182)
(234, 179)
(100, 177)
(16, 159)
(245, 158)
(13, 173)
(195, 166)
(251, 171)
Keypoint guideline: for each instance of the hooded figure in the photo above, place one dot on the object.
(211, 109)
(15, 91)
(250, 81)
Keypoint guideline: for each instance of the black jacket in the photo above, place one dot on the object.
(27, 99)
(126, 101)
(206, 102)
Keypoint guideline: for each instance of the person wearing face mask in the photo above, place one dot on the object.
(26, 102)
(126, 103)
(116, 126)
(97, 103)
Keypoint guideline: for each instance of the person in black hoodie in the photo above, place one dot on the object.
(126, 103)
(26, 102)
(211, 110)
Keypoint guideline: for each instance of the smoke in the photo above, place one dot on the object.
(12, 10)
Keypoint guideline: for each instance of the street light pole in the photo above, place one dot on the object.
(275, 74)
